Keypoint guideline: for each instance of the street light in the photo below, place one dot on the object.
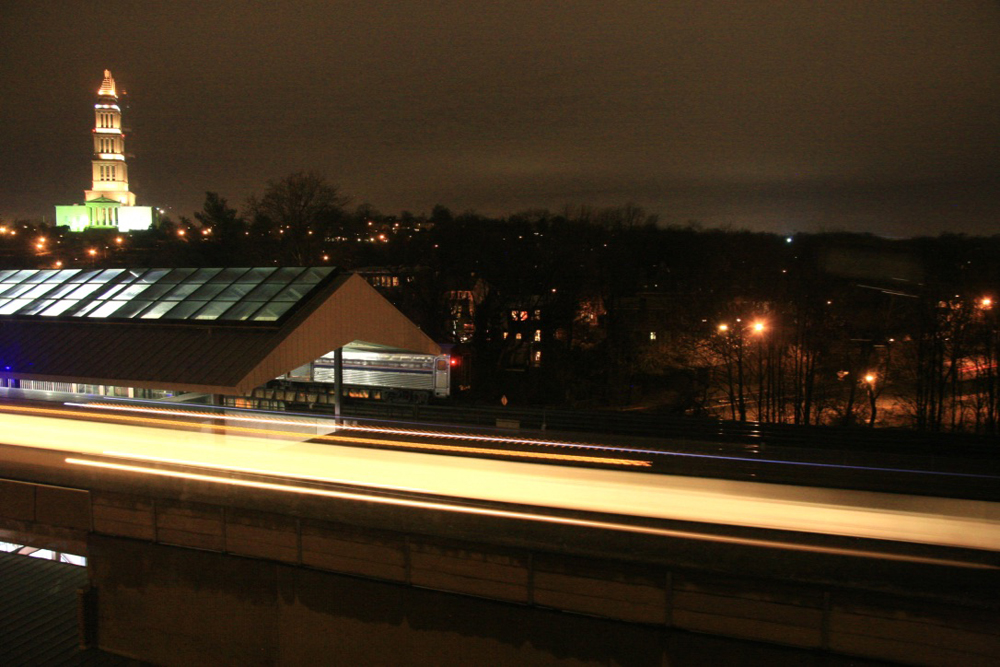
(872, 399)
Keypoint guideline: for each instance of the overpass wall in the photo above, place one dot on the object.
(180, 581)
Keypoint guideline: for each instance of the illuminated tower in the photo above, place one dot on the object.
(110, 173)
(108, 203)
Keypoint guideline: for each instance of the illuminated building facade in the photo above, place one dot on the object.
(108, 204)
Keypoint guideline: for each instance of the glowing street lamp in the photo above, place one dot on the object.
(872, 399)
(723, 328)
(758, 327)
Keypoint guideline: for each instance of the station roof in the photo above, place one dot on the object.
(217, 330)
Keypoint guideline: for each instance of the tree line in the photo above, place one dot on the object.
(623, 311)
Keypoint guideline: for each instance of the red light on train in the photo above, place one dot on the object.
(454, 361)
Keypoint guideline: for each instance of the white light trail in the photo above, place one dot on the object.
(523, 515)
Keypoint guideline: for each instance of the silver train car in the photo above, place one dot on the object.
(379, 374)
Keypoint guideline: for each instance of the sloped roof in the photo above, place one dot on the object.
(213, 330)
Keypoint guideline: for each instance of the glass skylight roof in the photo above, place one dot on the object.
(225, 295)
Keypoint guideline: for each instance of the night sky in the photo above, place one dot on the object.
(772, 115)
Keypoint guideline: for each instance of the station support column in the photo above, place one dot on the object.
(338, 380)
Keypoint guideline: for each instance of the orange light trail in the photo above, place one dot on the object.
(347, 427)
(173, 423)
(521, 515)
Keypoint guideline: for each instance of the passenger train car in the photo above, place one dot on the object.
(390, 375)
(371, 372)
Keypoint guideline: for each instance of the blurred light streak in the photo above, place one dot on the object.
(345, 439)
(525, 515)
(537, 442)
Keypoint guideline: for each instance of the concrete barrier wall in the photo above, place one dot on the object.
(45, 516)
(148, 552)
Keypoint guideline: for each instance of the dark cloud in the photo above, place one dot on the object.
(878, 116)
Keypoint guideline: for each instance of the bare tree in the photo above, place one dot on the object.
(298, 211)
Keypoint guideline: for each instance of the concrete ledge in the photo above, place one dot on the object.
(353, 551)
(601, 590)
(67, 508)
(746, 609)
(929, 626)
(17, 500)
(262, 535)
(461, 569)
(190, 525)
(915, 635)
(125, 516)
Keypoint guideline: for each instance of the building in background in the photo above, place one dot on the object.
(109, 204)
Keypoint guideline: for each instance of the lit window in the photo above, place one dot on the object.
(652, 335)
(517, 336)
(538, 335)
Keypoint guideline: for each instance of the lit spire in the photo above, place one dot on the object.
(108, 86)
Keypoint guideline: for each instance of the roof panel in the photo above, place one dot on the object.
(285, 274)
(241, 311)
(36, 276)
(13, 306)
(184, 310)
(84, 276)
(264, 292)
(230, 354)
(76, 292)
(270, 312)
(158, 310)
(213, 310)
(109, 274)
(16, 290)
(177, 275)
